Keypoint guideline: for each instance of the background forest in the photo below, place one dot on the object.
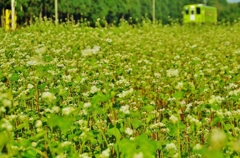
(114, 10)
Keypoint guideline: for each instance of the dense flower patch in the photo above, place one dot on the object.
(149, 91)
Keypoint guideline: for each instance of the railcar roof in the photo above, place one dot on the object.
(199, 5)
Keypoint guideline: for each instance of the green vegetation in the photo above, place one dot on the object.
(114, 10)
(144, 91)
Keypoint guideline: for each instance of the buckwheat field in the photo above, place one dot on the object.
(126, 92)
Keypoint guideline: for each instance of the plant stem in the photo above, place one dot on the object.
(179, 143)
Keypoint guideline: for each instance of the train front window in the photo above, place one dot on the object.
(198, 10)
(192, 12)
(186, 11)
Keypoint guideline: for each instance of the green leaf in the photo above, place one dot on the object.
(178, 94)
(99, 110)
(136, 123)
(182, 125)
(212, 153)
(140, 144)
(21, 126)
(215, 106)
(149, 118)
(38, 135)
(29, 153)
(99, 97)
(173, 129)
(91, 137)
(113, 93)
(14, 77)
(115, 132)
(146, 145)
(42, 86)
(25, 142)
(148, 108)
(216, 120)
(63, 122)
(4, 139)
(127, 147)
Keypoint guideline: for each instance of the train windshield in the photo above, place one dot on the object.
(198, 9)
(186, 11)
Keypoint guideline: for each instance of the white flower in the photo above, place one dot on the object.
(193, 120)
(94, 89)
(60, 65)
(82, 122)
(138, 155)
(33, 62)
(171, 99)
(173, 119)
(66, 143)
(84, 155)
(236, 145)
(61, 156)
(87, 105)
(218, 138)
(39, 130)
(172, 73)
(85, 94)
(232, 86)
(38, 124)
(95, 49)
(12, 117)
(237, 52)
(84, 112)
(34, 144)
(67, 110)
(109, 40)
(87, 52)
(125, 109)
(48, 96)
(7, 102)
(41, 50)
(197, 147)
(105, 153)
(67, 78)
(83, 135)
(179, 85)
(177, 57)
(156, 125)
(234, 92)
(2, 109)
(215, 99)
(111, 85)
(29, 86)
(6, 125)
(125, 93)
(171, 146)
(128, 131)
(110, 145)
(55, 109)
(157, 75)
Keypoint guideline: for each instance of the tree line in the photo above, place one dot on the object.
(113, 10)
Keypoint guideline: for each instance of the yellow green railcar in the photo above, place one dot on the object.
(199, 13)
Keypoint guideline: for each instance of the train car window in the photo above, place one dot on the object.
(186, 10)
(192, 12)
(198, 10)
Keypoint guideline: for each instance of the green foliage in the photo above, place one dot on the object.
(63, 122)
(141, 145)
(112, 11)
(146, 91)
